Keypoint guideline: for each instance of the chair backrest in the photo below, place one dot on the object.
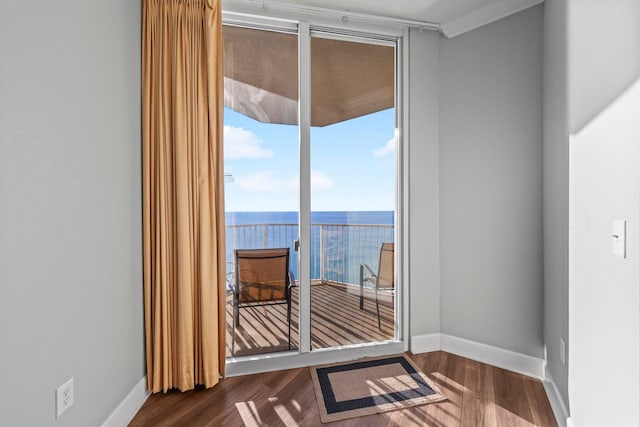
(386, 266)
(262, 275)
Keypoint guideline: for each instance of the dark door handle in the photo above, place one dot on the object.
(296, 245)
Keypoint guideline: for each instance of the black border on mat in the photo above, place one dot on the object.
(333, 407)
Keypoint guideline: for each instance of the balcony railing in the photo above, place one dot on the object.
(336, 252)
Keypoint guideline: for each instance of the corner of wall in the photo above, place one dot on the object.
(555, 398)
(556, 190)
(424, 210)
(129, 406)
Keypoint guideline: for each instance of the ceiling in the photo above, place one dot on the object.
(453, 16)
(261, 77)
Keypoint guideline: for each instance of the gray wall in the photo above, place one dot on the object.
(556, 191)
(424, 228)
(491, 184)
(604, 296)
(70, 208)
(604, 58)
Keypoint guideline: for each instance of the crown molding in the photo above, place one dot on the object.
(484, 16)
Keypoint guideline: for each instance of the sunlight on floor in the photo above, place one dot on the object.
(249, 413)
(447, 382)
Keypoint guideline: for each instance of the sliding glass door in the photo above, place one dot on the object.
(353, 191)
(311, 173)
(261, 189)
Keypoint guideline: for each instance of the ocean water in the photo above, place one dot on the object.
(340, 241)
(322, 217)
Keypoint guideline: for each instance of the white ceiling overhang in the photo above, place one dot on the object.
(451, 17)
(491, 12)
(261, 81)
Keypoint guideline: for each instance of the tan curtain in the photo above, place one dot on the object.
(183, 203)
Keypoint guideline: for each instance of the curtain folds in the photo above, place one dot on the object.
(183, 201)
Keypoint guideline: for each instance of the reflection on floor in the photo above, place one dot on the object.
(336, 320)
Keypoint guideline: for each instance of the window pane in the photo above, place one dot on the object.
(261, 187)
(353, 192)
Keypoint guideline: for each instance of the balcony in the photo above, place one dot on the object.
(337, 251)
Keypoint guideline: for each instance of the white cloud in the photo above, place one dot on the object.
(241, 143)
(267, 181)
(387, 149)
(320, 181)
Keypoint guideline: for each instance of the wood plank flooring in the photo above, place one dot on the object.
(478, 395)
(336, 320)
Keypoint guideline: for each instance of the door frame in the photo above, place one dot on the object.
(304, 26)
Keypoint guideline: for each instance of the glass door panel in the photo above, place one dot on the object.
(261, 189)
(353, 192)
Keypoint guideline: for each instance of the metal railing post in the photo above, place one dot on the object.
(265, 231)
(321, 253)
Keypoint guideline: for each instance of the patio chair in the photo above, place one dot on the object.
(262, 278)
(384, 280)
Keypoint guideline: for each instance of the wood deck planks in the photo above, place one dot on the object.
(336, 320)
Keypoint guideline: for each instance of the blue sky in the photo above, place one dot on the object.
(352, 164)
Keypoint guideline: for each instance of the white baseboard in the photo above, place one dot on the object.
(495, 356)
(555, 398)
(425, 343)
(130, 405)
(501, 358)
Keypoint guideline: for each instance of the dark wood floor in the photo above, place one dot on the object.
(336, 320)
(478, 395)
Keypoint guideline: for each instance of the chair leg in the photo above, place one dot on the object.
(378, 309)
(289, 320)
(361, 288)
(236, 312)
(233, 338)
(236, 322)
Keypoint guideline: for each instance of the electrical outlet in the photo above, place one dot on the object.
(64, 397)
(563, 352)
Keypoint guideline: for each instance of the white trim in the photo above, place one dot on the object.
(346, 15)
(555, 399)
(242, 11)
(268, 23)
(304, 221)
(483, 16)
(495, 356)
(425, 343)
(129, 406)
(569, 422)
(402, 175)
(280, 361)
(506, 359)
(353, 37)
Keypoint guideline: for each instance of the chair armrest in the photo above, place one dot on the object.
(292, 280)
(231, 283)
(366, 267)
